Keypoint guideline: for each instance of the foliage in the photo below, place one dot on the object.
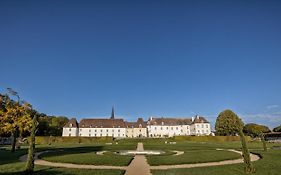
(277, 129)
(249, 168)
(228, 124)
(50, 125)
(31, 151)
(14, 117)
(255, 130)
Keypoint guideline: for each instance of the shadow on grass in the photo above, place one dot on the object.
(44, 171)
(65, 151)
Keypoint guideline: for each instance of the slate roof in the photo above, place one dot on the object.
(176, 121)
(140, 122)
(102, 123)
(72, 121)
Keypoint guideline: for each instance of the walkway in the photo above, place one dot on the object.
(139, 165)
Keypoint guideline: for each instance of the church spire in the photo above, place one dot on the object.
(112, 113)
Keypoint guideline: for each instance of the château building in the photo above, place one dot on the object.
(154, 127)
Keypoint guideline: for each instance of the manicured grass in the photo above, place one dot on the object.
(270, 164)
(192, 157)
(87, 155)
(89, 158)
(18, 168)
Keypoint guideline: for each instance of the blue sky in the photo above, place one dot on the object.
(147, 58)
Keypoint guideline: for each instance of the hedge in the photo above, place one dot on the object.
(58, 139)
(209, 138)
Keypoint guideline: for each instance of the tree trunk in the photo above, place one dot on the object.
(31, 151)
(249, 168)
(263, 142)
(14, 140)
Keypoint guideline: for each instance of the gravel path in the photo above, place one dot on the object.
(139, 165)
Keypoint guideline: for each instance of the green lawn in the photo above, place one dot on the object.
(270, 164)
(87, 155)
(188, 157)
(9, 163)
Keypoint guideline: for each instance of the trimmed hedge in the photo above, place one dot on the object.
(209, 138)
(56, 139)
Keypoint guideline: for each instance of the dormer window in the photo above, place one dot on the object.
(70, 125)
(162, 123)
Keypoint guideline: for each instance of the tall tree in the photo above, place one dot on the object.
(255, 130)
(31, 151)
(228, 123)
(14, 119)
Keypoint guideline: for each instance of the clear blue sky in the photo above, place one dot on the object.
(163, 58)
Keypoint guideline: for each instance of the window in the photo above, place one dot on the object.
(206, 126)
(95, 130)
(202, 126)
(89, 130)
(95, 135)
(89, 135)
(107, 130)
(161, 128)
(167, 128)
(155, 128)
(69, 135)
(177, 128)
(100, 134)
(70, 125)
(69, 129)
(106, 134)
(113, 130)
(171, 128)
(118, 130)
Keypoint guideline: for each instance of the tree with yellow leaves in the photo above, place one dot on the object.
(14, 118)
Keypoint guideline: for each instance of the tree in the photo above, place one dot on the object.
(228, 124)
(277, 129)
(255, 130)
(31, 151)
(14, 118)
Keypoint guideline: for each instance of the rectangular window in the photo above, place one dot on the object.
(69, 129)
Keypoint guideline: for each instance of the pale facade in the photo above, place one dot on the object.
(154, 127)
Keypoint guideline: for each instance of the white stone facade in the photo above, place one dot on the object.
(154, 127)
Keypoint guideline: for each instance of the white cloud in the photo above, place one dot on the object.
(272, 106)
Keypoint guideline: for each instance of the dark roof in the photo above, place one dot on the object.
(170, 121)
(140, 122)
(72, 121)
(102, 123)
(177, 121)
(198, 119)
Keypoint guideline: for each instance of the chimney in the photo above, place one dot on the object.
(197, 116)
(192, 119)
